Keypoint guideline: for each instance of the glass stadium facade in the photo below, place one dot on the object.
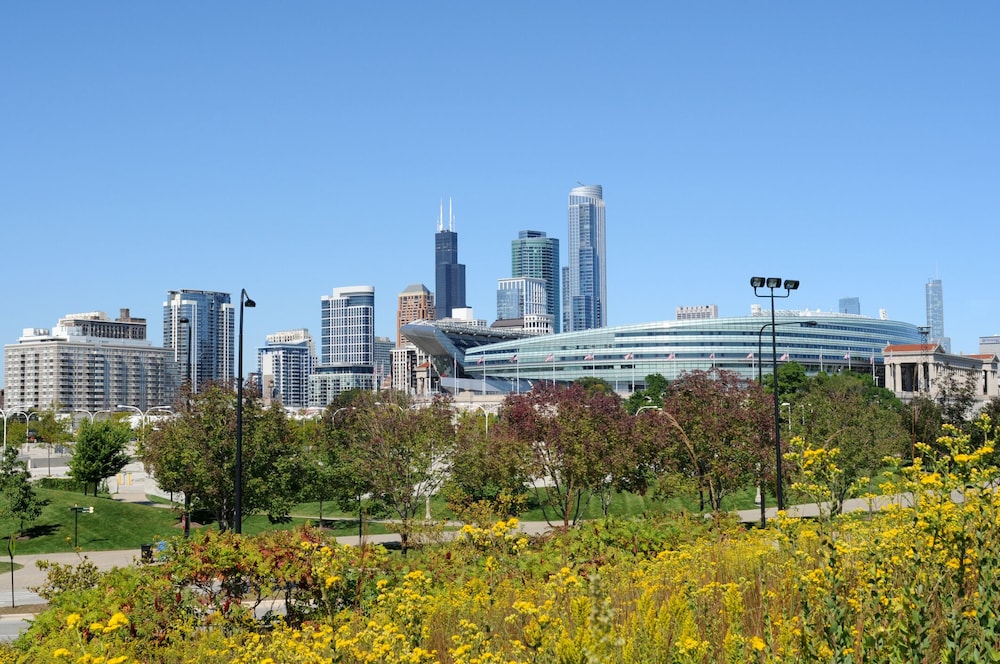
(625, 355)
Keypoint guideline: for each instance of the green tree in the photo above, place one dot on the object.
(18, 499)
(398, 455)
(488, 467)
(849, 412)
(101, 451)
(791, 377)
(651, 395)
(195, 453)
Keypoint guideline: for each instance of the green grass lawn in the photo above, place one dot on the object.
(112, 525)
(120, 525)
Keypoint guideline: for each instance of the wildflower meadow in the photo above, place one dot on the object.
(915, 580)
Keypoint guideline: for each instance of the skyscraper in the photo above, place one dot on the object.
(935, 314)
(534, 255)
(89, 362)
(211, 321)
(449, 274)
(348, 327)
(415, 303)
(285, 365)
(584, 278)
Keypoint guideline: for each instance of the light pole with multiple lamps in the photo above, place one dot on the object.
(789, 285)
(245, 301)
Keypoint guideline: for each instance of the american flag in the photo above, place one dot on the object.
(847, 355)
(712, 356)
(628, 356)
(480, 360)
(749, 356)
(514, 358)
(589, 357)
(671, 356)
(550, 358)
(784, 357)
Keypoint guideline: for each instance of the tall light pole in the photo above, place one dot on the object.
(789, 285)
(789, 407)
(245, 301)
(6, 414)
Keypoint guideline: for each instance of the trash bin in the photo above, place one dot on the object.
(147, 553)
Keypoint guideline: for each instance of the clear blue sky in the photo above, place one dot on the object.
(291, 148)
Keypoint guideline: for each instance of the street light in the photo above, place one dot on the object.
(6, 414)
(143, 414)
(760, 335)
(789, 285)
(245, 301)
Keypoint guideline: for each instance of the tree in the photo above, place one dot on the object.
(956, 395)
(862, 421)
(487, 467)
(18, 499)
(791, 377)
(195, 453)
(723, 425)
(398, 455)
(101, 451)
(652, 395)
(579, 442)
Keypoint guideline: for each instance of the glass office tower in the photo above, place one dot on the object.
(585, 277)
(935, 314)
(534, 255)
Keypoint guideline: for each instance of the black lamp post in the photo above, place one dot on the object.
(789, 285)
(245, 301)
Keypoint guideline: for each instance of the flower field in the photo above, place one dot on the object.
(916, 582)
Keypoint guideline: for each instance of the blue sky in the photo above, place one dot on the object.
(291, 148)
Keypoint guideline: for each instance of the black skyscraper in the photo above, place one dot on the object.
(449, 274)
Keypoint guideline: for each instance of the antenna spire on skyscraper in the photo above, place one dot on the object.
(451, 217)
(441, 215)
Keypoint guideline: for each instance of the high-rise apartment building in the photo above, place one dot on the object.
(284, 366)
(208, 320)
(416, 302)
(88, 362)
(585, 276)
(849, 305)
(449, 274)
(534, 255)
(383, 362)
(935, 314)
(347, 345)
(519, 297)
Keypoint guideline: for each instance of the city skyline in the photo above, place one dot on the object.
(730, 140)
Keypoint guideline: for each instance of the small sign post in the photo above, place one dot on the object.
(77, 510)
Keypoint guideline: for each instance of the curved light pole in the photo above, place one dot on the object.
(6, 414)
(789, 285)
(245, 301)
